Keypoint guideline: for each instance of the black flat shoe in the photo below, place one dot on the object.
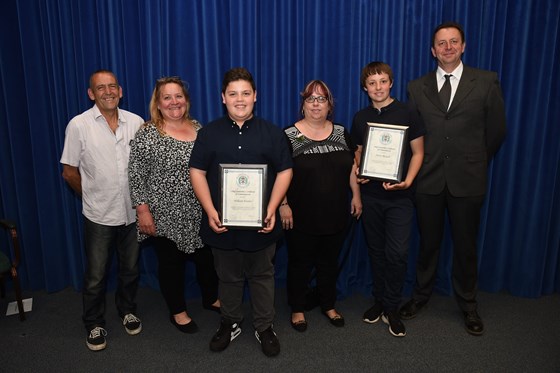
(189, 328)
(337, 320)
(299, 326)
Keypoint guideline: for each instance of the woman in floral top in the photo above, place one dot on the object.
(168, 213)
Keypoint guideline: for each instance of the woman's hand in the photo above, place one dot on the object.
(145, 220)
(286, 216)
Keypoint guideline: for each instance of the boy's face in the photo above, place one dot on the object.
(239, 99)
(378, 88)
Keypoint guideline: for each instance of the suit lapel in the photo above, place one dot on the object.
(431, 91)
(466, 85)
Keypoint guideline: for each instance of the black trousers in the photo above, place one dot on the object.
(171, 274)
(306, 251)
(464, 219)
(387, 225)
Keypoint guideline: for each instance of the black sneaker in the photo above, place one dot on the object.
(132, 324)
(227, 332)
(269, 342)
(396, 327)
(96, 339)
(373, 314)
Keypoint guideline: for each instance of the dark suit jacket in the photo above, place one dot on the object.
(459, 143)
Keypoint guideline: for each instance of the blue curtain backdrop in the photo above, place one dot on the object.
(49, 48)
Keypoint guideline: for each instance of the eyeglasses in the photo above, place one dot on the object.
(319, 99)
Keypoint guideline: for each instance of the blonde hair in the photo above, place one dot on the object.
(155, 113)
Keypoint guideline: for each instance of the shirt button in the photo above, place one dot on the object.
(240, 132)
(239, 146)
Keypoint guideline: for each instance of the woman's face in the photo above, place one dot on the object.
(313, 108)
(172, 102)
(239, 99)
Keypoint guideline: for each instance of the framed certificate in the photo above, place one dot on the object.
(384, 151)
(243, 195)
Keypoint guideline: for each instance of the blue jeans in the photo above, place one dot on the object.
(100, 244)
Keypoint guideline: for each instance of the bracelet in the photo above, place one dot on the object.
(283, 203)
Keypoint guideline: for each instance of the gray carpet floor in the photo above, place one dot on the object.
(522, 335)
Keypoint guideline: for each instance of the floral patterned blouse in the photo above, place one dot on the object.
(158, 173)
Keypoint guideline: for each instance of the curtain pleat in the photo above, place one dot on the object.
(49, 49)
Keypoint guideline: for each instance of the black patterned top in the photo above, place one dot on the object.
(319, 191)
(158, 172)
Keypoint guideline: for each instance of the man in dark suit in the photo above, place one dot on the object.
(463, 111)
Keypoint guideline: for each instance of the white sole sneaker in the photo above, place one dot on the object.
(366, 320)
(235, 331)
(386, 321)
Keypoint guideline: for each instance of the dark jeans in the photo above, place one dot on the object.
(101, 241)
(171, 274)
(306, 251)
(233, 268)
(387, 225)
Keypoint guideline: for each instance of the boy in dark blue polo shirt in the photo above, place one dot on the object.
(241, 254)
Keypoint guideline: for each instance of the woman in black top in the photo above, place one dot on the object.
(316, 209)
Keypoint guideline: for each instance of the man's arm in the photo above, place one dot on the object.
(495, 119)
(72, 176)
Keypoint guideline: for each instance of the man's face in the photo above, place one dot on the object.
(105, 91)
(448, 47)
(239, 99)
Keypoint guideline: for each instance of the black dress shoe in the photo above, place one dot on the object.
(189, 328)
(410, 309)
(300, 325)
(337, 320)
(473, 323)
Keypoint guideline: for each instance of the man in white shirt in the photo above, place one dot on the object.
(95, 164)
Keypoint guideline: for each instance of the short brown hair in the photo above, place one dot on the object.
(448, 24)
(237, 73)
(101, 71)
(375, 67)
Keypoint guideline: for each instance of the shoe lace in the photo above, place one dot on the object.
(97, 331)
(130, 318)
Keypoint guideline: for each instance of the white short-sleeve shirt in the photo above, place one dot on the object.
(102, 158)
